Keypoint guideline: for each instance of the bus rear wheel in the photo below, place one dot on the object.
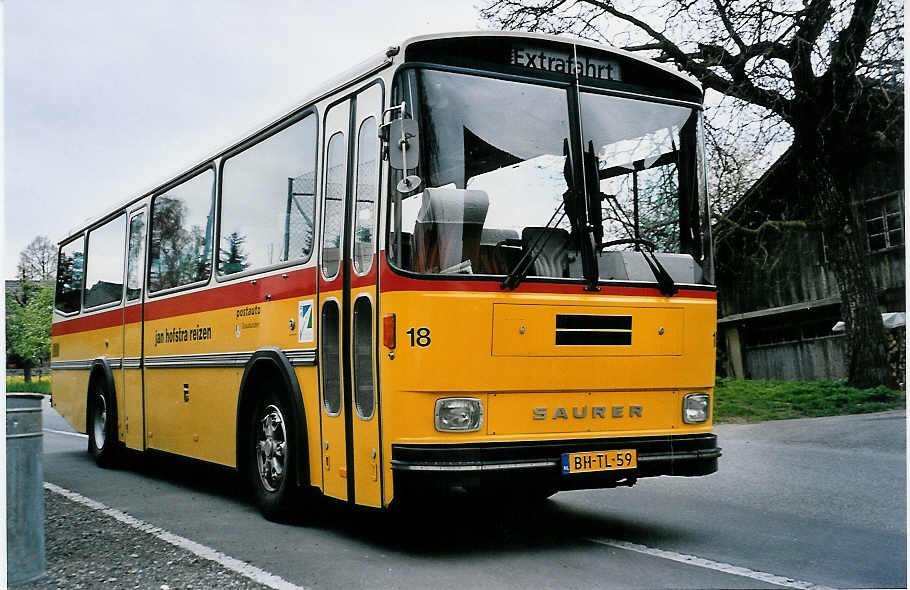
(272, 456)
(102, 426)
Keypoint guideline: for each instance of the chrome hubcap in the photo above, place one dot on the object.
(271, 448)
(100, 420)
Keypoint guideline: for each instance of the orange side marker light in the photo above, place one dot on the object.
(388, 330)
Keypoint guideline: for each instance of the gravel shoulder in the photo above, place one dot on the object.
(88, 549)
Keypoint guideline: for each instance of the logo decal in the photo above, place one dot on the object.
(305, 321)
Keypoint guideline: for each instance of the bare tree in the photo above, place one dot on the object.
(38, 260)
(827, 74)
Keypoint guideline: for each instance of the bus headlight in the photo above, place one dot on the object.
(459, 414)
(696, 408)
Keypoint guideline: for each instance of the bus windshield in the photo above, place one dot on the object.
(496, 182)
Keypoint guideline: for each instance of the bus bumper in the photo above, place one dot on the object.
(538, 464)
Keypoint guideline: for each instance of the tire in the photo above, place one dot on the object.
(273, 458)
(102, 426)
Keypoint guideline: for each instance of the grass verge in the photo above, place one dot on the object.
(18, 385)
(743, 400)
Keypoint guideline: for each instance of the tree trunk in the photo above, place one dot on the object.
(845, 235)
(27, 371)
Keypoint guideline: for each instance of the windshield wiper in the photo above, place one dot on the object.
(568, 205)
(517, 274)
(664, 281)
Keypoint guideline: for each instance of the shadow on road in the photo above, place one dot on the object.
(455, 524)
(460, 524)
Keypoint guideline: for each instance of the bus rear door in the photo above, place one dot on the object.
(133, 397)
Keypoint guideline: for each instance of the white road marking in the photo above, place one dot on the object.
(65, 432)
(235, 565)
(712, 565)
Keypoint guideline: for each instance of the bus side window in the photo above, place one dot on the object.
(268, 201)
(70, 265)
(333, 221)
(181, 245)
(135, 257)
(104, 263)
(366, 169)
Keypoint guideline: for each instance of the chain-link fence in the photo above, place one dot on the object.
(298, 242)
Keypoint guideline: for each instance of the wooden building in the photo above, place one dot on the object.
(778, 298)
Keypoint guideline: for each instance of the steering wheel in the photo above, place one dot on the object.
(637, 241)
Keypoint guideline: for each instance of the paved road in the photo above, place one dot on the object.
(818, 500)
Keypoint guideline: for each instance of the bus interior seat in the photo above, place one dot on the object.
(500, 250)
(612, 266)
(448, 229)
(625, 265)
(406, 256)
(554, 245)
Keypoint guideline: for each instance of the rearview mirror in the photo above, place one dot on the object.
(404, 152)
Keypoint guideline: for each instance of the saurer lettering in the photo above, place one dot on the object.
(580, 412)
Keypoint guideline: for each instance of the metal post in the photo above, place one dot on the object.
(24, 488)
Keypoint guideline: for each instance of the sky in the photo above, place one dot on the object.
(103, 99)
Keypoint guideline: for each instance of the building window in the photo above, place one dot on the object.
(884, 222)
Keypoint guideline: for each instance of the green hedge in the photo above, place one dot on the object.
(14, 385)
(741, 400)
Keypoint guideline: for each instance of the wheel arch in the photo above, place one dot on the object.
(264, 365)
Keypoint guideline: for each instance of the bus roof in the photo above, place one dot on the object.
(353, 75)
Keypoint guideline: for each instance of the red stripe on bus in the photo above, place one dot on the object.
(296, 283)
(98, 321)
(337, 284)
(108, 319)
(300, 282)
(132, 314)
(393, 281)
(366, 280)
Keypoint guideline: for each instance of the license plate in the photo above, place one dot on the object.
(599, 461)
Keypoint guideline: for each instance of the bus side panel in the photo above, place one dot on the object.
(195, 363)
(308, 378)
(69, 395)
(82, 347)
(191, 412)
(131, 409)
(190, 409)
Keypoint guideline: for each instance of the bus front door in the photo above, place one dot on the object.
(351, 453)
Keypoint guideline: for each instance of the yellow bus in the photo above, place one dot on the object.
(477, 261)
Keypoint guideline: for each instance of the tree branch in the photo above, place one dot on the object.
(725, 18)
(815, 16)
(699, 64)
(847, 51)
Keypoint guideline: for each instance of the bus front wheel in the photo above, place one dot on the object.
(272, 455)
